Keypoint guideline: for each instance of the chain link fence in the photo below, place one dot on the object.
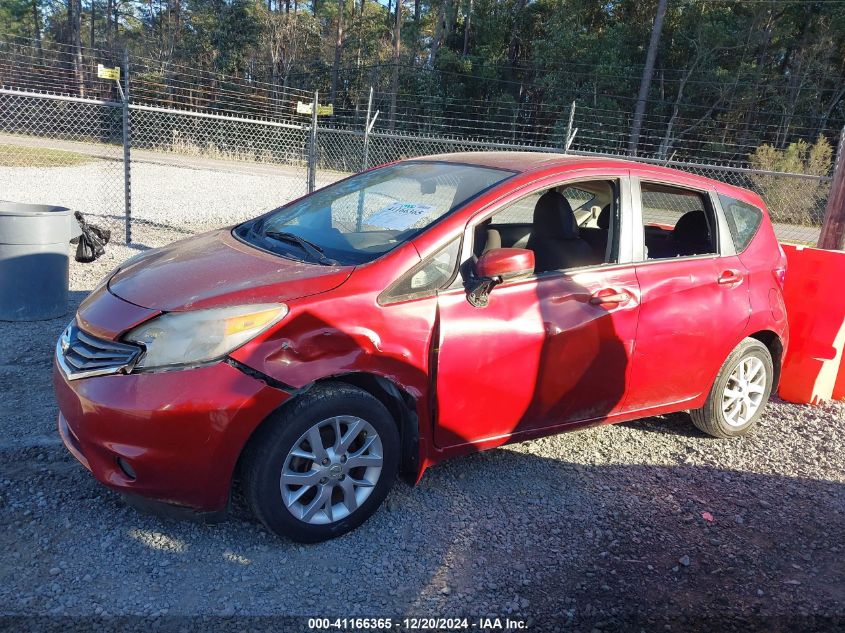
(194, 170)
(61, 150)
(796, 202)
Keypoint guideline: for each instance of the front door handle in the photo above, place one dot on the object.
(729, 277)
(608, 296)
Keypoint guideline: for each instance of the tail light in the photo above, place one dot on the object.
(780, 271)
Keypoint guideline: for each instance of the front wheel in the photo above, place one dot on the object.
(323, 465)
(740, 392)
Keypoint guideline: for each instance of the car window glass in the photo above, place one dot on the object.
(519, 212)
(677, 222)
(664, 207)
(743, 220)
(425, 278)
(358, 219)
(387, 205)
(577, 198)
(559, 243)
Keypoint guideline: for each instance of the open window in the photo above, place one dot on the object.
(677, 222)
(567, 226)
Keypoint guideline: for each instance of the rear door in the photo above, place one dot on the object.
(548, 350)
(694, 293)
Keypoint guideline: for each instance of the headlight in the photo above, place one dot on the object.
(186, 338)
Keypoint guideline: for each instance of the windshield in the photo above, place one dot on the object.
(358, 219)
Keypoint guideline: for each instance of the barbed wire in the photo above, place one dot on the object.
(719, 135)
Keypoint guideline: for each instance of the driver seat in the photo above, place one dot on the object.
(555, 239)
(486, 238)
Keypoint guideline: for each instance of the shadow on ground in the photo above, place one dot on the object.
(613, 547)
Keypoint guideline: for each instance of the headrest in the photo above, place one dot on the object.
(603, 221)
(494, 240)
(692, 228)
(553, 217)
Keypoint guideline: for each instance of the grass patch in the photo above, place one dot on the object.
(25, 156)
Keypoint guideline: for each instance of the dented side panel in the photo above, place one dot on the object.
(347, 332)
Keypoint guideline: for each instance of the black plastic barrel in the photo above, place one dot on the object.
(34, 260)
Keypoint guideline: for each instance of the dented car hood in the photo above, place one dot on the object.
(216, 270)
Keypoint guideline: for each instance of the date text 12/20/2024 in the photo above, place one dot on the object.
(417, 624)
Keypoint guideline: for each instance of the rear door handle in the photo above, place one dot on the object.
(609, 296)
(729, 277)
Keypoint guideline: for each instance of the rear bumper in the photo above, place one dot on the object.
(180, 433)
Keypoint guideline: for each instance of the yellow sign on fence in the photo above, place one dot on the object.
(108, 73)
(322, 110)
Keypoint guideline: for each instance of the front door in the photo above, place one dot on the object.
(546, 351)
(550, 349)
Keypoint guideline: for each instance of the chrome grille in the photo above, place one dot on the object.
(81, 355)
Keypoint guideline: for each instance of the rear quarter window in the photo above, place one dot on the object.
(743, 220)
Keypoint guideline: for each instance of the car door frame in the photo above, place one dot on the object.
(624, 260)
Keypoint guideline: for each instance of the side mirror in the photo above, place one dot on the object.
(494, 267)
(506, 263)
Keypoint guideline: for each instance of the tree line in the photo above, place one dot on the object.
(685, 78)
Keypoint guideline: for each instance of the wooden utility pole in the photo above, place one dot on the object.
(645, 82)
(833, 229)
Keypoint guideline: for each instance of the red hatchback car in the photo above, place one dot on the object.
(414, 312)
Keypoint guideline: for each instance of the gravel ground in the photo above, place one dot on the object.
(639, 526)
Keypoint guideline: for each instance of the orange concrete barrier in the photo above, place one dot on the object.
(839, 387)
(815, 304)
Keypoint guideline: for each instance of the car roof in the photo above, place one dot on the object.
(524, 162)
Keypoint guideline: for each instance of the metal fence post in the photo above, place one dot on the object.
(312, 149)
(569, 128)
(570, 133)
(365, 161)
(127, 172)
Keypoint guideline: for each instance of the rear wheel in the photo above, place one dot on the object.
(740, 393)
(323, 465)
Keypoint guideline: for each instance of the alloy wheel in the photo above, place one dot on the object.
(744, 391)
(331, 470)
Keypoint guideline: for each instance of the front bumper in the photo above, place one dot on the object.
(179, 432)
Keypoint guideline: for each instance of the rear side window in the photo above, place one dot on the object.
(663, 206)
(677, 222)
(743, 220)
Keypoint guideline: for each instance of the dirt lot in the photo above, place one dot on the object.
(641, 526)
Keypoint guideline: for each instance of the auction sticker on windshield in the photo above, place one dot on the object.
(399, 215)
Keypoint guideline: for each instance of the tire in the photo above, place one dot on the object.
(335, 496)
(719, 420)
